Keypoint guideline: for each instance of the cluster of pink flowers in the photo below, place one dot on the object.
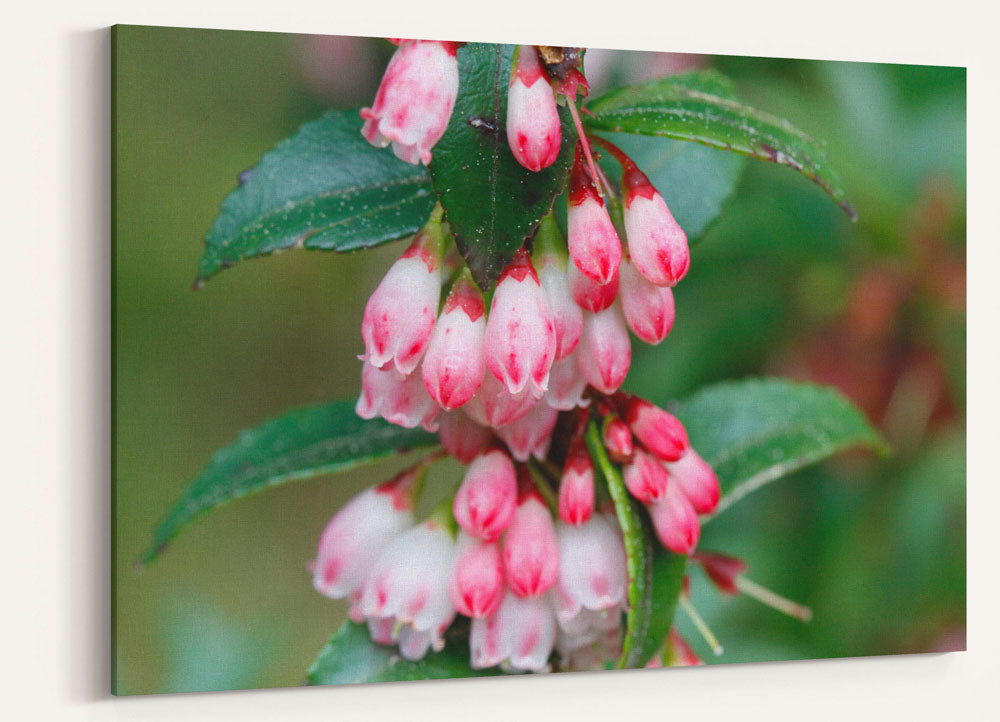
(524, 547)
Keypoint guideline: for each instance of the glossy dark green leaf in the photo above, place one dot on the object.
(755, 431)
(323, 188)
(654, 574)
(695, 107)
(351, 657)
(491, 202)
(299, 445)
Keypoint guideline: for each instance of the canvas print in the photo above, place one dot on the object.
(437, 359)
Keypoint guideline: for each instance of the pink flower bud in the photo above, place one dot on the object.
(617, 439)
(566, 314)
(409, 580)
(522, 633)
(698, 481)
(462, 437)
(400, 315)
(567, 385)
(593, 242)
(530, 550)
(605, 350)
(520, 332)
(648, 308)
(576, 488)
(454, 363)
(356, 534)
(590, 295)
(533, 129)
(531, 434)
(415, 100)
(592, 572)
(645, 477)
(484, 504)
(721, 569)
(675, 521)
(477, 579)
(494, 406)
(660, 432)
(400, 400)
(658, 246)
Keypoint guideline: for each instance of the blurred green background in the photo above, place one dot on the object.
(782, 284)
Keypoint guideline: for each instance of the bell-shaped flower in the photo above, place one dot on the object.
(477, 583)
(659, 431)
(657, 245)
(576, 487)
(454, 362)
(414, 102)
(399, 316)
(531, 434)
(409, 582)
(533, 127)
(590, 295)
(648, 308)
(675, 521)
(592, 568)
(462, 437)
(520, 331)
(520, 634)
(595, 640)
(494, 406)
(697, 480)
(568, 319)
(485, 502)
(567, 385)
(530, 549)
(594, 245)
(399, 399)
(357, 533)
(605, 351)
(645, 477)
(617, 439)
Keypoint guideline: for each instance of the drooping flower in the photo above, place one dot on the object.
(494, 406)
(409, 583)
(697, 480)
(477, 582)
(648, 308)
(533, 127)
(657, 245)
(520, 634)
(566, 314)
(645, 477)
(485, 502)
(531, 434)
(592, 573)
(415, 100)
(590, 295)
(594, 245)
(659, 431)
(605, 351)
(399, 399)
(675, 521)
(617, 439)
(462, 437)
(357, 533)
(520, 331)
(567, 385)
(455, 362)
(399, 316)
(576, 487)
(530, 549)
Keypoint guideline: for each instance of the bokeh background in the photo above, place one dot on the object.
(782, 284)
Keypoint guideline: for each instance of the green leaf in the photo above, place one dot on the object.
(299, 445)
(323, 188)
(755, 431)
(351, 657)
(491, 202)
(695, 107)
(655, 575)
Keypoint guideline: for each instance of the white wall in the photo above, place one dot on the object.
(54, 648)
